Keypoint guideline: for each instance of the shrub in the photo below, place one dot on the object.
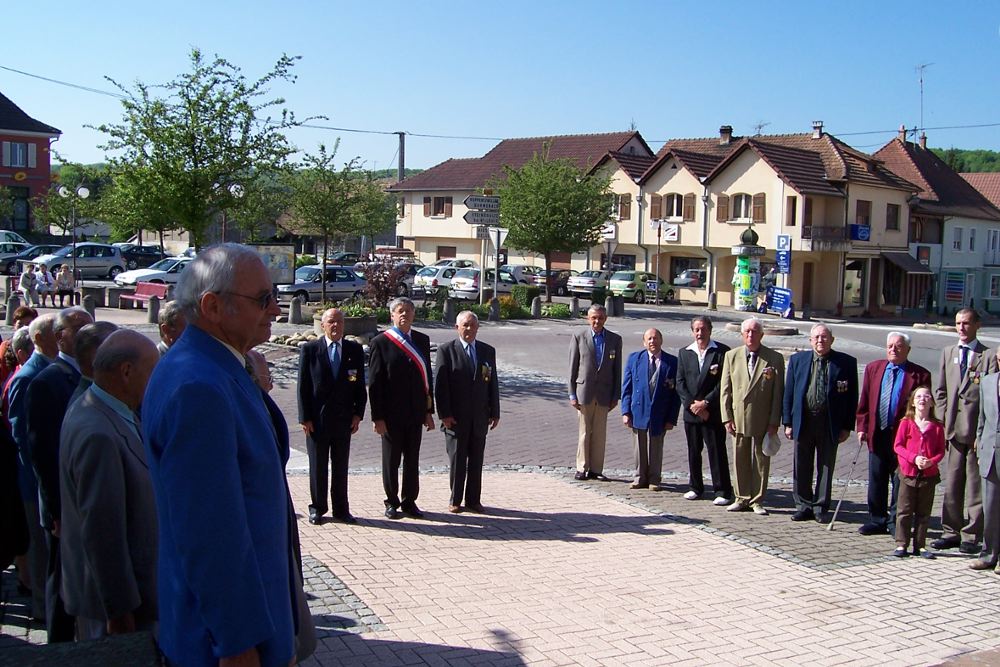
(523, 295)
(355, 308)
(511, 310)
(598, 295)
(382, 278)
(304, 260)
(558, 310)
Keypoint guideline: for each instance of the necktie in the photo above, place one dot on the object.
(654, 369)
(752, 362)
(599, 349)
(964, 366)
(885, 397)
(335, 358)
(471, 349)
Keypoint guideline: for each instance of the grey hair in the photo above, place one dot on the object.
(401, 301)
(898, 334)
(467, 314)
(751, 323)
(820, 325)
(21, 340)
(42, 324)
(170, 313)
(213, 271)
(597, 308)
(704, 319)
(121, 347)
(64, 315)
(90, 337)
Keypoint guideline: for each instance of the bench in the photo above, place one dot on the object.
(143, 292)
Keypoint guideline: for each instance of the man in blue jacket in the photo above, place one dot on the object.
(650, 406)
(225, 569)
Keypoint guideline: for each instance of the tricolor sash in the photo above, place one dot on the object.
(410, 351)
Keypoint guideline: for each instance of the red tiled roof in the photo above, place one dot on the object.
(988, 184)
(942, 191)
(632, 164)
(699, 156)
(584, 150)
(14, 119)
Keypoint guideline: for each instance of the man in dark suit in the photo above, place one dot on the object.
(885, 390)
(467, 393)
(48, 398)
(402, 403)
(649, 406)
(332, 403)
(820, 400)
(109, 566)
(698, 375)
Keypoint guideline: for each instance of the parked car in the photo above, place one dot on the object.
(341, 283)
(465, 283)
(457, 263)
(95, 260)
(632, 285)
(690, 278)
(11, 249)
(584, 283)
(7, 236)
(431, 278)
(523, 273)
(343, 258)
(165, 271)
(141, 256)
(410, 273)
(12, 265)
(560, 278)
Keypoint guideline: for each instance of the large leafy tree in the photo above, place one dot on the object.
(52, 209)
(552, 206)
(136, 201)
(210, 129)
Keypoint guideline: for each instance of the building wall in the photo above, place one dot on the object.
(36, 175)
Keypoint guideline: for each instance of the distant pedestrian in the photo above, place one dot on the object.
(27, 285)
(65, 284)
(46, 285)
(920, 447)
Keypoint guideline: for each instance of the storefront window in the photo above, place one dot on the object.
(854, 282)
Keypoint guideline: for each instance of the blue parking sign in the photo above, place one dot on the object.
(784, 261)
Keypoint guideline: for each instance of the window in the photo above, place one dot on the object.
(20, 195)
(695, 267)
(863, 216)
(892, 217)
(741, 207)
(807, 212)
(446, 251)
(673, 206)
(437, 207)
(402, 207)
(972, 239)
(956, 239)
(18, 154)
(995, 286)
(624, 206)
(791, 210)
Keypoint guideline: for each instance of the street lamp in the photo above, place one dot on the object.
(236, 191)
(82, 192)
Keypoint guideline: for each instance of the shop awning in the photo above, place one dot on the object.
(907, 263)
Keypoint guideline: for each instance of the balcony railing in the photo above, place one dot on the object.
(821, 233)
(991, 257)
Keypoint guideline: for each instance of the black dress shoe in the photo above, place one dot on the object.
(314, 518)
(822, 517)
(597, 476)
(970, 548)
(392, 513)
(945, 543)
(873, 529)
(580, 476)
(477, 508)
(346, 517)
(803, 515)
(413, 512)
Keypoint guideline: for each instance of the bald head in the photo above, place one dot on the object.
(86, 342)
(123, 364)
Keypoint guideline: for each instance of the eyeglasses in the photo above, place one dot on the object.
(263, 301)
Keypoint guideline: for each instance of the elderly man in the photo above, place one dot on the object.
(699, 371)
(752, 385)
(595, 381)
(171, 323)
(109, 565)
(402, 403)
(649, 406)
(820, 401)
(885, 389)
(225, 569)
(85, 345)
(48, 398)
(332, 401)
(956, 395)
(468, 403)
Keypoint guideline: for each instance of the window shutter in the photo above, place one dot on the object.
(447, 207)
(655, 207)
(689, 207)
(427, 207)
(625, 207)
(807, 213)
(722, 208)
(32, 159)
(758, 208)
(6, 154)
(402, 206)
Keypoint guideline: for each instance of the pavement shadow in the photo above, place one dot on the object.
(512, 391)
(343, 648)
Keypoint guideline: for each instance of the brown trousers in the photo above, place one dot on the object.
(962, 504)
(913, 510)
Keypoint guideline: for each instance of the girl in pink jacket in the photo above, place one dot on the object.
(919, 447)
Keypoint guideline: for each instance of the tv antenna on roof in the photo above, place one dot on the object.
(920, 70)
(760, 125)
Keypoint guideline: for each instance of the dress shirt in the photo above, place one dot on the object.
(470, 352)
(598, 346)
(122, 410)
(701, 353)
(69, 360)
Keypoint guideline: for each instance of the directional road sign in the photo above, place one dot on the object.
(482, 202)
(784, 260)
(486, 218)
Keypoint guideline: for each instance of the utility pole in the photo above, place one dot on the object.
(400, 170)
(920, 71)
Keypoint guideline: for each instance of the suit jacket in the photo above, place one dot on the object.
(108, 531)
(48, 398)
(587, 381)
(752, 403)
(701, 384)
(17, 415)
(988, 427)
(397, 393)
(330, 403)
(841, 392)
(471, 396)
(653, 412)
(957, 399)
(224, 549)
(914, 375)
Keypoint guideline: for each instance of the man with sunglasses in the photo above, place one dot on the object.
(225, 563)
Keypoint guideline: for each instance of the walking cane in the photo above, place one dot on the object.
(850, 477)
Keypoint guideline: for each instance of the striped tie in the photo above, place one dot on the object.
(885, 397)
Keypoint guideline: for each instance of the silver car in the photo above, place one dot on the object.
(584, 284)
(95, 260)
(465, 283)
(341, 283)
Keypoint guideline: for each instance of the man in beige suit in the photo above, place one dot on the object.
(753, 380)
(595, 386)
(956, 393)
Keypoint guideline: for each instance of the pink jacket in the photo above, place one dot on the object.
(911, 443)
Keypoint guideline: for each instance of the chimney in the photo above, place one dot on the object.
(725, 135)
(923, 140)
(817, 129)
(902, 133)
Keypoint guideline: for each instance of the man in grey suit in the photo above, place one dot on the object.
(956, 395)
(109, 526)
(987, 450)
(595, 385)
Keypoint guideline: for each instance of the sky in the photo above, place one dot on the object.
(487, 70)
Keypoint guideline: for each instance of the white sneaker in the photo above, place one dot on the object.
(758, 509)
(738, 506)
(691, 495)
(720, 501)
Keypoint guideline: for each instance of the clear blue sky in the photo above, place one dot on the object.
(531, 68)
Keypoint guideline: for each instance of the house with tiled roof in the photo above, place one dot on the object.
(24, 160)
(954, 228)
(987, 182)
(431, 211)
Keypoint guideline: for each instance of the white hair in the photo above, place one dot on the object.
(897, 334)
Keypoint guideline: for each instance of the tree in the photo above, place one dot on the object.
(54, 210)
(136, 202)
(212, 130)
(552, 206)
(259, 206)
(6, 204)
